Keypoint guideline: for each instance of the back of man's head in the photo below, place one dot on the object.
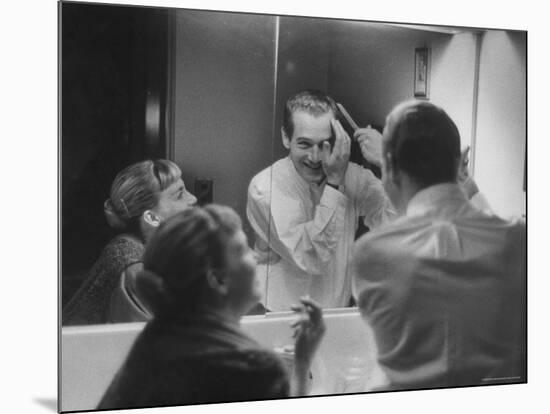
(311, 101)
(423, 142)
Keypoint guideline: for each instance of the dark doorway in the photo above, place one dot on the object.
(115, 74)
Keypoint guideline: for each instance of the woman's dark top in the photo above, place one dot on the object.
(191, 360)
(90, 304)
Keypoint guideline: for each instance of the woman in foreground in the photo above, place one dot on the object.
(201, 279)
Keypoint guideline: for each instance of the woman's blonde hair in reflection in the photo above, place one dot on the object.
(136, 189)
(181, 252)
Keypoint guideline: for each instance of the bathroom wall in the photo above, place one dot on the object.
(303, 59)
(501, 123)
(372, 69)
(237, 70)
(224, 88)
(453, 78)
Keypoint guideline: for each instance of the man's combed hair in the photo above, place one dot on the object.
(424, 142)
(311, 101)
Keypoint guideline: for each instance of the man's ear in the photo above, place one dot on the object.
(390, 169)
(151, 218)
(217, 281)
(286, 139)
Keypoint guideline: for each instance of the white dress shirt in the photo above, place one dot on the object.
(443, 289)
(304, 232)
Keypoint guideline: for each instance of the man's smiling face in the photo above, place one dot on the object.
(306, 144)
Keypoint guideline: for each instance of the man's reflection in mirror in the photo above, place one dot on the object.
(305, 207)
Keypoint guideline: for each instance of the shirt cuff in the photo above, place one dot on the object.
(333, 197)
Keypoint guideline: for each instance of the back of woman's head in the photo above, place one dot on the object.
(181, 253)
(137, 189)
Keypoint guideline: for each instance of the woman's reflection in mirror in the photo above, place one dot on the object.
(142, 196)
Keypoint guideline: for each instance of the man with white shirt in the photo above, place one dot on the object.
(443, 287)
(304, 208)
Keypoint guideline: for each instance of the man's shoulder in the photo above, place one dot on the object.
(408, 231)
(376, 239)
(514, 228)
(358, 170)
(383, 240)
(490, 222)
(263, 181)
(262, 176)
(358, 176)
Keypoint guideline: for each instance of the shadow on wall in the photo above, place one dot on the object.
(49, 403)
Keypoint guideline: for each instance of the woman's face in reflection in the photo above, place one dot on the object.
(173, 199)
(242, 284)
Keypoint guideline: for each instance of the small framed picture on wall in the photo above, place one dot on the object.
(421, 72)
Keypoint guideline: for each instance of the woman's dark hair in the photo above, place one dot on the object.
(423, 141)
(181, 252)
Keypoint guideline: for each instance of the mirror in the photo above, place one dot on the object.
(192, 86)
(206, 89)
(370, 67)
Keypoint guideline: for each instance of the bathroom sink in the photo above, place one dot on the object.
(345, 361)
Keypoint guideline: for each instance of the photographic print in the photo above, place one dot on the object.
(227, 233)
(421, 72)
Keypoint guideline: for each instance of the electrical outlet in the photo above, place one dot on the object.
(204, 190)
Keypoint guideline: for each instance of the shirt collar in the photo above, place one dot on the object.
(300, 180)
(432, 199)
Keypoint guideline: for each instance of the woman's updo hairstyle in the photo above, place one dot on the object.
(137, 189)
(181, 252)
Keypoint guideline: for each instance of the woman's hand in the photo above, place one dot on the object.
(370, 142)
(309, 330)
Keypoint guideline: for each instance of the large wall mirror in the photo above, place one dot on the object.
(206, 89)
